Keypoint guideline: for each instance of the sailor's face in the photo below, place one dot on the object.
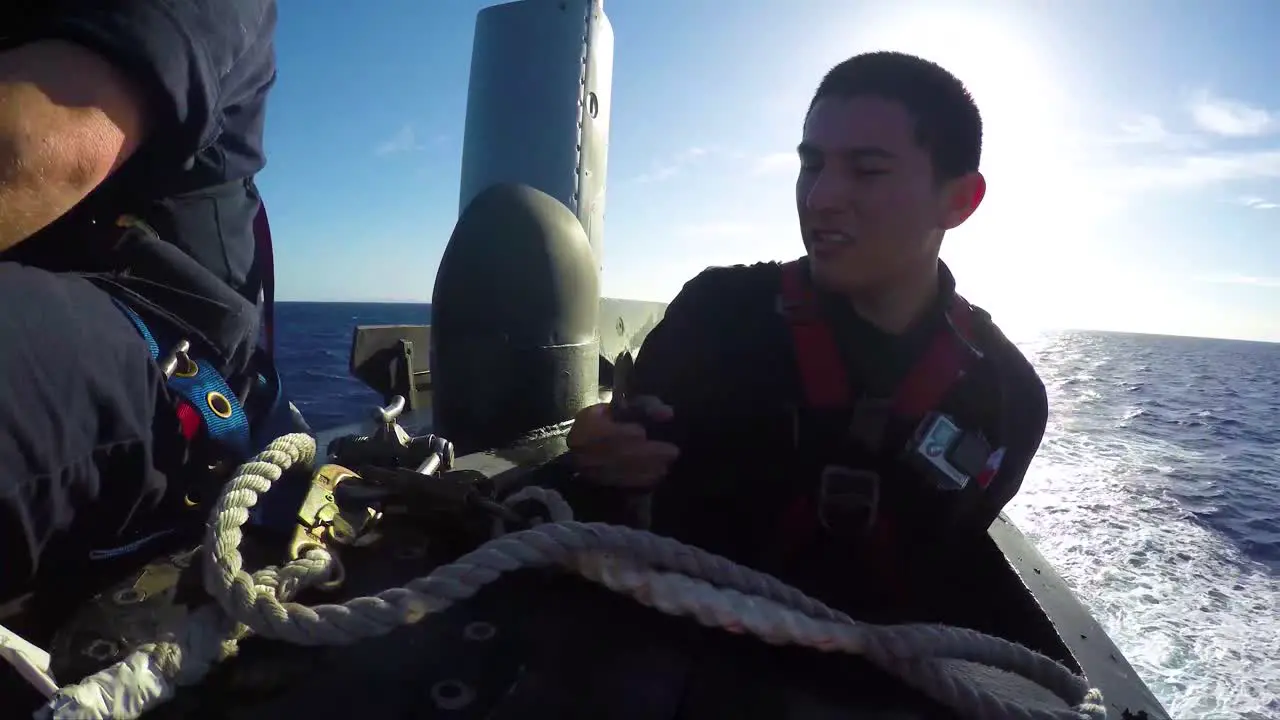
(868, 204)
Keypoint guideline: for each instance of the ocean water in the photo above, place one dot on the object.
(1156, 493)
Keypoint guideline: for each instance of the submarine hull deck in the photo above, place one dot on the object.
(540, 642)
(564, 633)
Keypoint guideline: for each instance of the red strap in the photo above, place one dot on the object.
(188, 420)
(822, 372)
(265, 257)
(941, 367)
(825, 381)
(823, 375)
(797, 528)
(885, 556)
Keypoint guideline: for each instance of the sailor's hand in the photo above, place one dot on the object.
(620, 453)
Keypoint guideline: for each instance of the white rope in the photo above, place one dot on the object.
(659, 572)
(31, 662)
(152, 673)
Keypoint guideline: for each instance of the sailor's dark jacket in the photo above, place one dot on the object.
(724, 360)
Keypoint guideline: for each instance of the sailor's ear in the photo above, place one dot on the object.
(960, 198)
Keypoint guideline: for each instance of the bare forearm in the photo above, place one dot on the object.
(33, 193)
(68, 119)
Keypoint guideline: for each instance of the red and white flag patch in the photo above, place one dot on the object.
(991, 468)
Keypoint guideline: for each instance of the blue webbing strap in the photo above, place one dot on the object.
(208, 394)
(272, 418)
(277, 417)
(235, 432)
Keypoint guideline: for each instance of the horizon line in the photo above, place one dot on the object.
(1024, 335)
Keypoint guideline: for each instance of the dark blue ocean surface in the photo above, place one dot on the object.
(1156, 492)
(314, 348)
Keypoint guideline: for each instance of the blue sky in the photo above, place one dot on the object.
(1132, 152)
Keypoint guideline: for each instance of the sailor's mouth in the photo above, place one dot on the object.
(826, 242)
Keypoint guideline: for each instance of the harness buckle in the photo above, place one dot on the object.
(178, 362)
(848, 501)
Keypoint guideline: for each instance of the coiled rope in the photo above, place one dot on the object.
(658, 572)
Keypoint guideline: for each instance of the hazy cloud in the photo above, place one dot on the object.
(1230, 118)
(1147, 153)
(735, 161)
(670, 167)
(716, 229)
(1251, 280)
(1151, 131)
(1144, 129)
(779, 162)
(1212, 117)
(1258, 203)
(406, 139)
(1192, 170)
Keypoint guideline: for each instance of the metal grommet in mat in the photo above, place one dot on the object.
(129, 596)
(102, 650)
(452, 694)
(479, 631)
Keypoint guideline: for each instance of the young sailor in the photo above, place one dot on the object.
(846, 421)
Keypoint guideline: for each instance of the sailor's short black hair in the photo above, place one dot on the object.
(948, 123)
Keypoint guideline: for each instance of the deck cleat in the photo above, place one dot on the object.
(391, 446)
